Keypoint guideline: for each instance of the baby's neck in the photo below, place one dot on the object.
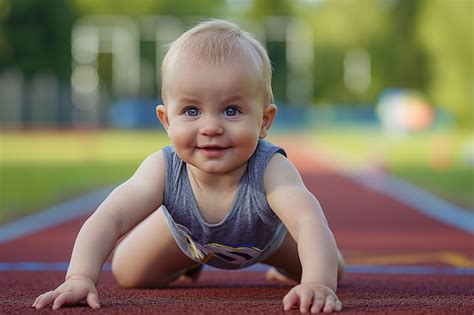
(216, 181)
(214, 193)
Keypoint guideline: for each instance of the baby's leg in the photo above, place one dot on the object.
(149, 256)
(286, 265)
(285, 262)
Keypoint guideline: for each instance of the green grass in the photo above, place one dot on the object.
(40, 169)
(455, 185)
(436, 161)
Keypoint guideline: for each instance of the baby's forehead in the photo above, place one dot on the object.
(222, 60)
(185, 63)
(226, 77)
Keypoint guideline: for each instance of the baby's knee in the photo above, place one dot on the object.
(123, 275)
(128, 278)
(128, 275)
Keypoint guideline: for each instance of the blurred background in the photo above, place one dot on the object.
(387, 84)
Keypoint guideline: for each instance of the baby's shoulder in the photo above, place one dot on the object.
(280, 170)
(278, 162)
(155, 157)
(153, 164)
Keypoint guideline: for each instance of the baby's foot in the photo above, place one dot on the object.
(273, 274)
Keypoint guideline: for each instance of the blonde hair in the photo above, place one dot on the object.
(215, 42)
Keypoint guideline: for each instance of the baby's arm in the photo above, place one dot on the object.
(124, 208)
(302, 215)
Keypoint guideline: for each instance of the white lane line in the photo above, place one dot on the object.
(53, 216)
(418, 199)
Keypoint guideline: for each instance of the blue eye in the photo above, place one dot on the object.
(231, 111)
(192, 111)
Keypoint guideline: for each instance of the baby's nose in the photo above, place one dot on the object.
(212, 126)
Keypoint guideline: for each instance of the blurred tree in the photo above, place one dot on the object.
(4, 47)
(328, 76)
(398, 54)
(277, 54)
(446, 32)
(203, 8)
(345, 23)
(117, 7)
(340, 26)
(200, 9)
(37, 35)
(262, 8)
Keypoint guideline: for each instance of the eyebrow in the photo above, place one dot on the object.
(187, 99)
(230, 99)
(233, 99)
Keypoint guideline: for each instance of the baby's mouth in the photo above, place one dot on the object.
(212, 148)
(212, 151)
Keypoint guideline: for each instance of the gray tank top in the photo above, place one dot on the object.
(249, 233)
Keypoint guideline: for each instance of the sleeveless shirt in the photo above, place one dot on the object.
(249, 233)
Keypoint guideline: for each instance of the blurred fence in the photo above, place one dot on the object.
(42, 101)
(113, 75)
(124, 95)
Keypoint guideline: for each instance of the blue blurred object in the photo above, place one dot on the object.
(134, 113)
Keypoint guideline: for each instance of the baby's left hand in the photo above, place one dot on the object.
(314, 297)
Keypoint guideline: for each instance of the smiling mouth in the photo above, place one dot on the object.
(212, 151)
(211, 148)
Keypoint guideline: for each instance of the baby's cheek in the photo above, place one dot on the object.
(180, 134)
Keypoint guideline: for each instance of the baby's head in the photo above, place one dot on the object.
(218, 43)
(217, 95)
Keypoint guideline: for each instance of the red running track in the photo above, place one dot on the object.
(372, 230)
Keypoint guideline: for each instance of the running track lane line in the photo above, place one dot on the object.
(354, 269)
(54, 216)
(419, 199)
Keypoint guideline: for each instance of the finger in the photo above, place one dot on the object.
(36, 300)
(306, 299)
(318, 303)
(290, 300)
(45, 299)
(329, 305)
(64, 299)
(93, 300)
(338, 306)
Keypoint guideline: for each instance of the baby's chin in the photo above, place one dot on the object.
(219, 168)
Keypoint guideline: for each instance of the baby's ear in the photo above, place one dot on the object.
(269, 113)
(162, 115)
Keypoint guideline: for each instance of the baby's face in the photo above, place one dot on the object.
(215, 115)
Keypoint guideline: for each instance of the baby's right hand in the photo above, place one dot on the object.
(71, 292)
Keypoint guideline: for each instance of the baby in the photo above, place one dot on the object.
(220, 195)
